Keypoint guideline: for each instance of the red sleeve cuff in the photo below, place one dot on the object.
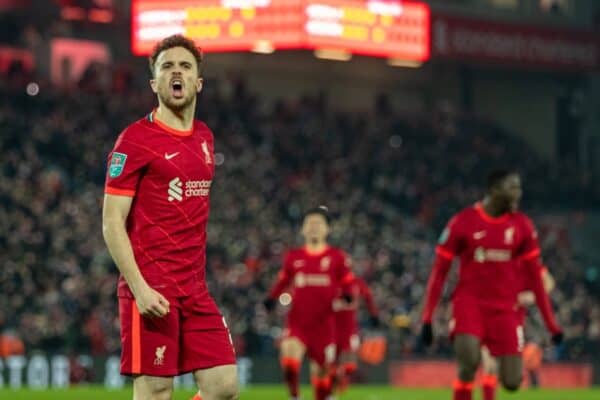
(532, 254)
(444, 253)
(119, 192)
(349, 277)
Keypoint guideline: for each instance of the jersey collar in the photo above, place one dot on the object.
(320, 253)
(488, 218)
(176, 132)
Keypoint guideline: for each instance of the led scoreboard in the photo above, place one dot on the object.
(381, 28)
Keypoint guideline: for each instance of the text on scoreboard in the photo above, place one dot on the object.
(381, 28)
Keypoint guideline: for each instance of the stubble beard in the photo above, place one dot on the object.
(178, 106)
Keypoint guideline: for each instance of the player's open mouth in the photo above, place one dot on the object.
(177, 88)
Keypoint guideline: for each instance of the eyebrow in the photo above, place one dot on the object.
(173, 62)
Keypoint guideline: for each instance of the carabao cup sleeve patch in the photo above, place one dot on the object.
(117, 164)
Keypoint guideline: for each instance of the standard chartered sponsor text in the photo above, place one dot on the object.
(197, 188)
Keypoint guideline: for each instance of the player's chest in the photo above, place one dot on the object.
(493, 242)
(314, 272)
(314, 265)
(186, 160)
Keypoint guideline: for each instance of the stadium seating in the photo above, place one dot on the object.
(391, 180)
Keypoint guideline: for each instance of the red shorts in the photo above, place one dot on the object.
(346, 332)
(192, 336)
(347, 342)
(501, 331)
(318, 339)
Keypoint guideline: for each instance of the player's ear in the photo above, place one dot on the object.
(153, 85)
(199, 84)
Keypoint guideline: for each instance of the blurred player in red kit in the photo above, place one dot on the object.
(154, 223)
(347, 330)
(489, 364)
(493, 241)
(316, 272)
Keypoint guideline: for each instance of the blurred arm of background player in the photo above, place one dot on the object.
(284, 278)
(435, 284)
(367, 295)
(535, 280)
(150, 303)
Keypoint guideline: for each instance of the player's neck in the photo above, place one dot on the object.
(315, 248)
(179, 120)
(491, 209)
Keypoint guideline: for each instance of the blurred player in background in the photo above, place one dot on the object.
(154, 223)
(316, 272)
(493, 240)
(531, 352)
(347, 330)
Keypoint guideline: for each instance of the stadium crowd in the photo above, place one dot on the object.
(391, 180)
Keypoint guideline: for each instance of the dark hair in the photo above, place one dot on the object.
(320, 210)
(175, 41)
(497, 176)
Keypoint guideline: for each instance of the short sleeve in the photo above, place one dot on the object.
(529, 247)
(125, 165)
(451, 240)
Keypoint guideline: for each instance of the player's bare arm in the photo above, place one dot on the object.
(548, 280)
(150, 303)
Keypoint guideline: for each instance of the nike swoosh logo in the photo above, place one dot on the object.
(479, 235)
(169, 156)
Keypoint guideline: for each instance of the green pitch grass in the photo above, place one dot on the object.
(273, 392)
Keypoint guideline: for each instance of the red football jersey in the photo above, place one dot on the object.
(345, 313)
(490, 250)
(169, 174)
(316, 279)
